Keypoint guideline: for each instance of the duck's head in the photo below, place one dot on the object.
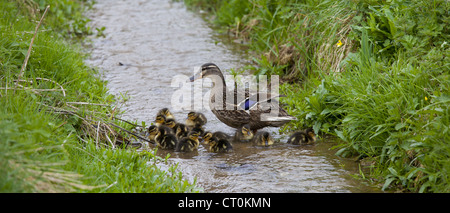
(192, 116)
(311, 134)
(246, 132)
(207, 70)
(165, 112)
(153, 130)
(265, 139)
(170, 122)
(160, 119)
(193, 135)
(181, 128)
(164, 130)
(207, 137)
(213, 141)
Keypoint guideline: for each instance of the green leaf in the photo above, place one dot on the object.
(393, 171)
(339, 134)
(387, 183)
(340, 151)
(317, 126)
(325, 111)
(399, 126)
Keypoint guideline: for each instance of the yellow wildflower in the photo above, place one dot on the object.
(339, 43)
(426, 99)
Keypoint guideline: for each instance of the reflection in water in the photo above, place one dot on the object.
(156, 40)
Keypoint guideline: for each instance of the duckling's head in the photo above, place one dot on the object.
(152, 130)
(165, 112)
(170, 122)
(265, 139)
(247, 132)
(207, 137)
(193, 135)
(213, 142)
(181, 128)
(311, 134)
(163, 130)
(192, 116)
(199, 129)
(160, 119)
(207, 70)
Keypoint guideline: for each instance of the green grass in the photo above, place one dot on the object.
(383, 89)
(48, 143)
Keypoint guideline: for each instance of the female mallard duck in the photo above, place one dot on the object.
(196, 119)
(243, 134)
(166, 113)
(188, 143)
(262, 138)
(236, 113)
(165, 139)
(218, 135)
(302, 137)
(219, 145)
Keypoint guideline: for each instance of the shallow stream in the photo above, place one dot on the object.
(146, 44)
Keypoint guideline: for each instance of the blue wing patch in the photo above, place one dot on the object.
(248, 104)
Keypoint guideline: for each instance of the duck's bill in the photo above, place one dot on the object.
(195, 77)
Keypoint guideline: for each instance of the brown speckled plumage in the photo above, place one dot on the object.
(234, 115)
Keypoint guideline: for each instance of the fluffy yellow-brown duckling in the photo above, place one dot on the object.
(243, 134)
(218, 135)
(195, 119)
(188, 143)
(302, 137)
(198, 128)
(262, 138)
(181, 130)
(165, 139)
(152, 132)
(170, 122)
(219, 145)
(166, 113)
(160, 120)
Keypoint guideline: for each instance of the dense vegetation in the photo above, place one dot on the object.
(58, 131)
(373, 73)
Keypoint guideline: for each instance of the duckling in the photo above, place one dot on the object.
(165, 139)
(170, 122)
(219, 145)
(160, 120)
(262, 138)
(165, 112)
(196, 119)
(219, 135)
(199, 129)
(181, 130)
(152, 132)
(243, 134)
(302, 137)
(188, 143)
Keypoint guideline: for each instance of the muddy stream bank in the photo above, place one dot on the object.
(157, 40)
